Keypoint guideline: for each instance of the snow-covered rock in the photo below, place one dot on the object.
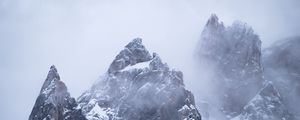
(266, 105)
(281, 63)
(131, 91)
(133, 53)
(54, 101)
(234, 54)
(97, 112)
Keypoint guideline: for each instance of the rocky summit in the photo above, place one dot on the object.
(54, 101)
(266, 105)
(136, 86)
(139, 86)
(234, 53)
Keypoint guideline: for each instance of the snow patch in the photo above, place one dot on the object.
(141, 65)
(97, 113)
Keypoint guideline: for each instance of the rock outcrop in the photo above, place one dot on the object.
(139, 86)
(54, 101)
(266, 105)
(281, 63)
(234, 53)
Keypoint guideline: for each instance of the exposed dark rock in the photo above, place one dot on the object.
(54, 101)
(266, 105)
(234, 53)
(139, 86)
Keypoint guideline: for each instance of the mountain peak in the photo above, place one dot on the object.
(136, 42)
(213, 22)
(139, 86)
(133, 53)
(266, 105)
(213, 18)
(234, 53)
(53, 67)
(52, 76)
(53, 86)
(54, 101)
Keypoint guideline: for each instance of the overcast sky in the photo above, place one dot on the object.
(82, 37)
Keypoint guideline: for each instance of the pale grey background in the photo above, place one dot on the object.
(81, 37)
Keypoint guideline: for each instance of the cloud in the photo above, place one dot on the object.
(82, 37)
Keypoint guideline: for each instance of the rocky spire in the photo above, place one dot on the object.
(51, 77)
(54, 101)
(234, 54)
(213, 22)
(133, 53)
(139, 86)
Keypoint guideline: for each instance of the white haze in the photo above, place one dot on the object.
(81, 37)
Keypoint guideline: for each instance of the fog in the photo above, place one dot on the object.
(81, 38)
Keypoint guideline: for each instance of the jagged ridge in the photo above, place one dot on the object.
(54, 101)
(132, 92)
(234, 53)
(266, 105)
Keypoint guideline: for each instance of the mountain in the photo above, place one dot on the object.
(266, 105)
(139, 86)
(234, 53)
(281, 62)
(54, 101)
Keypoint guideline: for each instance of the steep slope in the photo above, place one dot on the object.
(282, 66)
(234, 54)
(139, 86)
(266, 105)
(54, 101)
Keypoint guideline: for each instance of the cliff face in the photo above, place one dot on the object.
(54, 101)
(281, 62)
(234, 53)
(266, 105)
(139, 86)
